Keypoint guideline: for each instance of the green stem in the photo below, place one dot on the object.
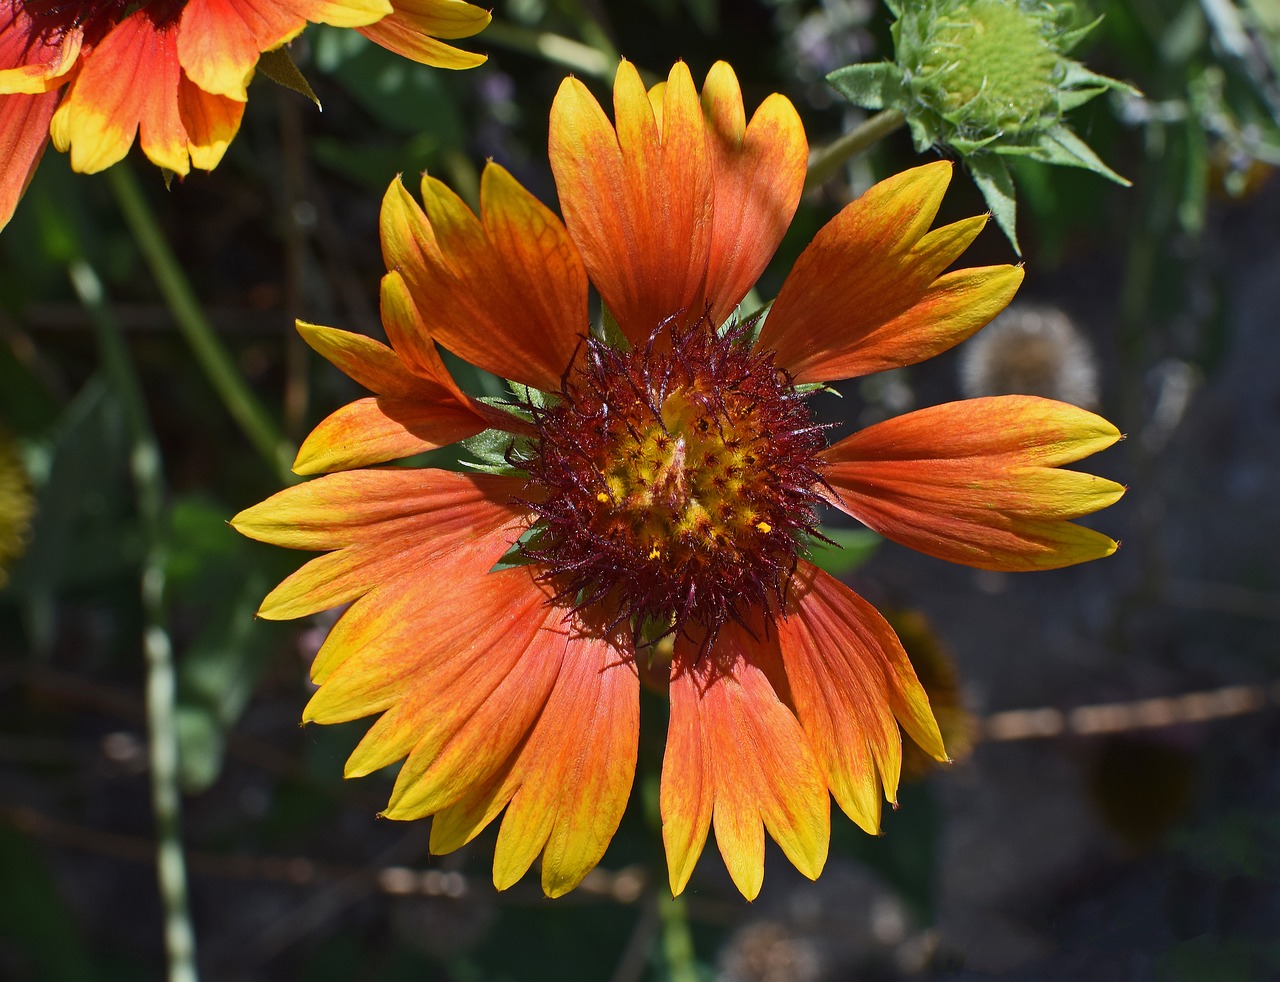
(209, 350)
(555, 48)
(148, 479)
(677, 940)
(827, 161)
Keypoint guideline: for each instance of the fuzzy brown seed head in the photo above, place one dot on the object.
(674, 483)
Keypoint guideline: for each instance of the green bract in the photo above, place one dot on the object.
(988, 79)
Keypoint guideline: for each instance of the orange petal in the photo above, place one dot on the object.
(637, 201)
(24, 132)
(390, 526)
(416, 24)
(465, 696)
(736, 755)
(850, 678)
(36, 57)
(976, 482)
(378, 430)
(220, 40)
(758, 173)
(128, 83)
(847, 306)
(210, 121)
(569, 783)
(507, 292)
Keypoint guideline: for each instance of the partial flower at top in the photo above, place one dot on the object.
(987, 79)
(643, 504)
(175, 72)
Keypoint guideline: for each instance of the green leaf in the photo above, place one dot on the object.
(1060, 146)
(993, 179)
(278, 66)
(609, 332)
(852, 548)
(871, 85)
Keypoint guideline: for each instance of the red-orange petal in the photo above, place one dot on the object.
(637, 200)
(978, 482)
(220, 40)
(850, 678)
(412, 31)
(391, 527)
(568, 785)
(758, 172)
(211, 123)
(24, 133)
(128, 84)
(34, 59)
(865, 294)
(507, 291)
(737, 758)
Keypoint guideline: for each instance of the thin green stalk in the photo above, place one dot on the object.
(148, 479)
(677, 940)
(254, 420)
(555, 48)
(862, 138)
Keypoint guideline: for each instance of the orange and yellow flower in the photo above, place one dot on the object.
(173, 72)
(653, 489)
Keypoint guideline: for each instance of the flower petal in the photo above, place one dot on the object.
(388, 526)
(24, 133)
(129, 81)
(637, 201)
(377, 430)
(35, 58)
(569, 783)
(341, 13)
(853, 289)
(850, 678)
(737, 755)
(976, 482)
(412, 30)
(211, 123)
(220, 40)
(507, 292)
(758, 173)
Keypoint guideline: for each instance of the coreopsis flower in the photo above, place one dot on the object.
(173, 72)
(645, 499)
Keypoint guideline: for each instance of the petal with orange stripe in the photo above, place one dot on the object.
(979, 482)
(738, 760)
(637, 199)
(867, 295)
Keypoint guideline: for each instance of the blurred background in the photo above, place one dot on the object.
(1117, 812)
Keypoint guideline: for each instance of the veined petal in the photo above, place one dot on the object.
(507, 291)
(415, 25)
(380, 429)
(737, 755)
(340, 13)
(637, 200)
(850, 679)
(211, 123)
(472, 691)
(758, 173)
(35, 59)
(974, 482)
(569, 783)
(868, 267)
(129, 83)
(392, 526)
(24, 133)
(220, 40)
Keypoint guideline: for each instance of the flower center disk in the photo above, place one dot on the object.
(674, 484)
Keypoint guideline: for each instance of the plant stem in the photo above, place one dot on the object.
(148, 479)
(827, 161)
(677, 940)
(554, 48)
(209, 350)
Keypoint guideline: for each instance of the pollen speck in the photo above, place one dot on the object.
(603, 498)
(764, 527)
